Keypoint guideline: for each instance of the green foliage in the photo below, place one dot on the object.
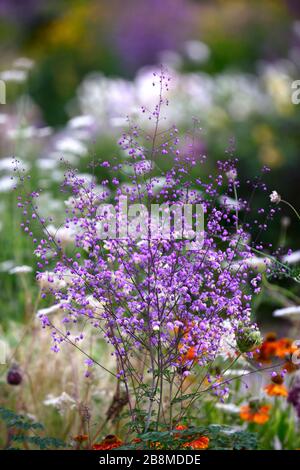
(42, 443)
(18, 421)
(220, 438)
(26, 431)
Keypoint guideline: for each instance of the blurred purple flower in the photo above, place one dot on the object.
(148, 27)
(294, 6)
(19, 9)
(294, 396)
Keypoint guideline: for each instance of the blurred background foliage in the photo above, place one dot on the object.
(69, 38)
(255, 44)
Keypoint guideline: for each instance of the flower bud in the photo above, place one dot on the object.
(277, 379)
(248, 339)
(275, 198)
(14, 376)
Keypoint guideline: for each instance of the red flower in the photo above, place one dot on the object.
(109, 442)
(181, 427)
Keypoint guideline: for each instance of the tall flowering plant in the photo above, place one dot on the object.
(170, 292)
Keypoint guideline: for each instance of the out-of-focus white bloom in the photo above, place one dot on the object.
(43, 131)
(258, 263)
(143, 167)
(20, 270)
(230, 203)
(71, 158)
(87, 177)
(48, 206)
(278, 82)
(236, 372)
(97, 306)
(292, 258)
(6, 184)
(78, 122)
(197, 51)
(49, 280)
(47, 164)
(20, 133)
(7, 164)
(14, 75)
(227, 345)
(62, 403)
(275, 198)
(57, 175)
(70, 145)
(50, 310)
(3, 118)
(106, 98)
(254, 262)
(288, 312)
(28, 132)
(23, 63)
(155, 328)
(101, 193)
(228, 408)
(170, 59)
(63, 235)
(118, 122)
(156, 183)
(6, 266)
(232, 95)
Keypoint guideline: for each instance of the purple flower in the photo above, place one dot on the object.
(294, 396)
(148, 27)
(18, 9)
(151, 295)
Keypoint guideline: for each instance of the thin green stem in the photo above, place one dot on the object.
(292, 207)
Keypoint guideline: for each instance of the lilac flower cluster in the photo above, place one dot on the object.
(167, 311)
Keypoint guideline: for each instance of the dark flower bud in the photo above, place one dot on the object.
(14, 376)
(248, 339)
(277, 379)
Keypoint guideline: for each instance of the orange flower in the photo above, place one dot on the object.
(81, 438)
(255, 414)
(109, 442)
(155, 445)
(200, 443)
(276, 390)
(290, 367)
(190, 354)
(273, 347)
(268, 349)
(284, 347)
